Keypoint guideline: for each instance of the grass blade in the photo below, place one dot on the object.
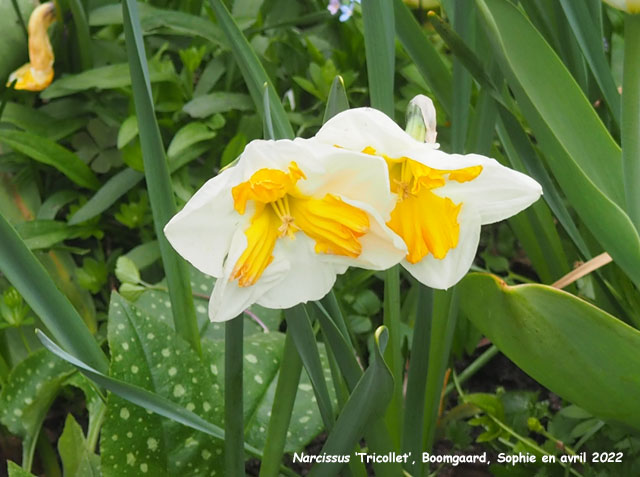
(369, 398)
(379, 43)
(631, 117)
(422, 52)
(299, 326)
(252, 70)
(443, 325)
(163, 205)
(82, 34)
(464, 13)
(233, 402)
(590, 40)
(412, 437)
(27, 274)
(285, 397)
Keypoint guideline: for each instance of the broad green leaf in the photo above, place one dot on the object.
(24, 271)
(538, 327)
(144, 254)
(77, 459)
(55, 202)
(107, 77)
(126, 270)
(40, 123)
(31, 388)
(153, 19)
(48, 152)
(555, 95)
(147, 353)
(39, 234)
(187, 136)
(368, 400)
(219, 102)
(156, 302)
(107, 195)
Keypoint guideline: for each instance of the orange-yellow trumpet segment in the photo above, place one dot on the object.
(38, 73)
(281, 211)
(427, 222)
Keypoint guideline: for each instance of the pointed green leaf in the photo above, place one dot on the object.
(571, 347)
(337, 101)
(48, 152)
(77, 459)
(368, 400)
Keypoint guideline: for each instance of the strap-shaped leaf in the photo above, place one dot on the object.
(369, 399)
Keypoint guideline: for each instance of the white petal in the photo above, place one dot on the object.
(201, 232)
(355, 176)
(445, 273)
(355, 129)
(228, 299)
(497, 193)
(309, 278)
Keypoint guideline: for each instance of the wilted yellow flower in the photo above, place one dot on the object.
(38, 73)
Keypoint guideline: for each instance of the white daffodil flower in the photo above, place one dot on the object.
(441, 199)
(630, 6)
(279, 226)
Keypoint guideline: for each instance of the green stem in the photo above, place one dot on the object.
(393, 353)
(283, 401)
(443, 325)
(93, 432)
(233, 407)
(417, 379)
(631, 117)
(474, 367)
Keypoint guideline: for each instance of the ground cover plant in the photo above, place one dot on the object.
(186, 292)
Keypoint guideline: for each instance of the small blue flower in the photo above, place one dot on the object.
(347, 11)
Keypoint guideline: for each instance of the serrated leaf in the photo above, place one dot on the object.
(77, 459)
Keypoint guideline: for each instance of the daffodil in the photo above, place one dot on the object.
(278, 227)
(630, 6)
(38, 73)
(441, 199)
